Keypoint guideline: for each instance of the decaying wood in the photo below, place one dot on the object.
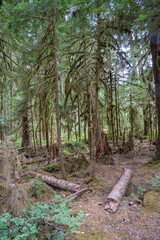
(54, 151)
(114, 198)
(104, 150)
(51, 180)
(128, 146)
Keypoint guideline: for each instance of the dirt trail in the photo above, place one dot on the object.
(129, 222)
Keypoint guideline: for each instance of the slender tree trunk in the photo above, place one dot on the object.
(131, 114)
(155, 50)
(79, 121)
(150, 123)
(111, 108)
(116, 108)
(145, 122)
(95, 135)
(58, 122)
(87, 91)
(40, 127)
(76, 134)
(46, 126)
(85, 133)
(33, 132)
(25, 131)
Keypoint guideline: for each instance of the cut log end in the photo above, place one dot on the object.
(118, 191)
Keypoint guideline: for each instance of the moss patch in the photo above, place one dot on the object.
(51, 167)
(40, 190)
(99, 235)
(152, 201)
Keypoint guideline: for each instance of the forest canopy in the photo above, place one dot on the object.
(71, 68)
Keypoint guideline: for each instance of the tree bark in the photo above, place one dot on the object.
(58, 122)
(114, 198)
(95, 90)
(103, 149)
(155, 50)
(111, 107)
(25, 131)
(51, 180)
(116, 109)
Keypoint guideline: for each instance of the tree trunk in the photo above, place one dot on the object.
(25, 131)
(95, 91)
(51, 180)
(104, 151)
(79, 120)
(116, 108)
(114, 198)
(155, 50)
(111, 108)
(57, 98)
(40, 127)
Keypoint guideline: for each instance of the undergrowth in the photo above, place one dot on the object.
(41, 221)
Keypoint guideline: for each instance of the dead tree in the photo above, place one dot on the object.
(104, 151)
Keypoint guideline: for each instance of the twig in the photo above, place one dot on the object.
(76, 194)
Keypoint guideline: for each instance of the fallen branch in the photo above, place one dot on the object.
(118, 191)
(51, 180)
(76, 194)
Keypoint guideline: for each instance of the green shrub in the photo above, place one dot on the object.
(31, 225)
(140, 192)
(37, 188)
(155, 181)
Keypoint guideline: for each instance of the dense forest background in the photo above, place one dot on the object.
(72, 68)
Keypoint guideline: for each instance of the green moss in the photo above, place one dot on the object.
(68, 154)
(152, 201)
(40, 190)
(153, 162)
(51, 167)
(99, 235)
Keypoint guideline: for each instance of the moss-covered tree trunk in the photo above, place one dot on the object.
(58, 122)
(155, 50)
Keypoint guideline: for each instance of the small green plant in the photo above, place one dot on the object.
(141, 191)
(31, 225)
(155, 181)
(37, 187)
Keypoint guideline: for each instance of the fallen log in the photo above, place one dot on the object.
(51, 180)
(114, 198)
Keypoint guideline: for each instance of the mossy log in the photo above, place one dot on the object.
(114, 198)
(51, 180)
(51, 167)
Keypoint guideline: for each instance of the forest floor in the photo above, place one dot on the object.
(129, 222)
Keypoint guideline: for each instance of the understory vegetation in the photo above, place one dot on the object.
(33, 222)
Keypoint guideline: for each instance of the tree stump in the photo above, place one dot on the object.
(104, 151)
